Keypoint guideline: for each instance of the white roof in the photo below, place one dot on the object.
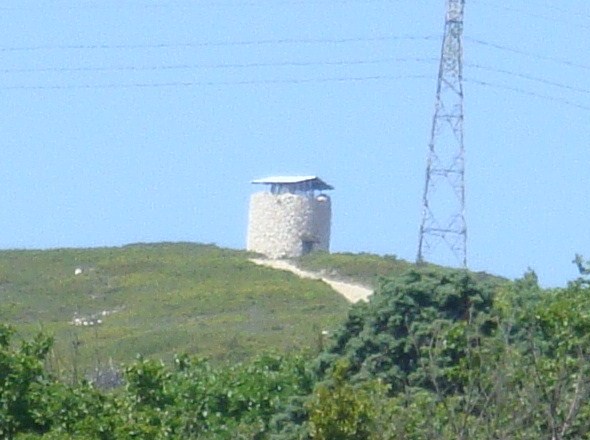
(317, 183)
(285, 179)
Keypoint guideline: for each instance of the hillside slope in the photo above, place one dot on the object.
(367, 269)
(158, 300)
(353, 292)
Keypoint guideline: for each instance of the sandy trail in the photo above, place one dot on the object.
(352, 292)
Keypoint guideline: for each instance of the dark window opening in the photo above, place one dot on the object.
(306, 246)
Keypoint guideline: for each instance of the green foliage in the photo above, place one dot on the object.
(368, 269)
(362, 268)
(343, 411)
(23, 383)
(160, 299)
(434, 354)
(192, 400)
(390, 337)
(463, 365)
(81, 411)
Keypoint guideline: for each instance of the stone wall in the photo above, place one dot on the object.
(280, 224)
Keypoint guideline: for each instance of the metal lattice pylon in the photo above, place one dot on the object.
(443, 203)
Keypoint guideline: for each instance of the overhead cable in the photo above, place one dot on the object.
(217, 43)
(189, 4)
(214, 83)
(527, 92)
(529, 54)
(295, 81)
(217, 65)
(552, 18)
(529, 77)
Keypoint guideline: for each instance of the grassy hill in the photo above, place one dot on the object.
(365, 268)
(162, 299)
(158, 300)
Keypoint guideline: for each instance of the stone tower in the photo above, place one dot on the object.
(291, 219)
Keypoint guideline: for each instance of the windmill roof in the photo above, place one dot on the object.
(316, 182)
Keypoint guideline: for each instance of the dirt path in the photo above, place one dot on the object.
(352, 292)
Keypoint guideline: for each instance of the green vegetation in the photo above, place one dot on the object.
(190, 399)
(444, 355)
(435, 354)
(386, 339)
(158, 300)
(364, 268)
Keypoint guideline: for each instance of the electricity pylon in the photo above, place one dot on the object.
(443, 202)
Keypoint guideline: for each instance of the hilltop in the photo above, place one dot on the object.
(107, 305)
(158, 300)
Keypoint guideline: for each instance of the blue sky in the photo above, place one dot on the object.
(144, 120)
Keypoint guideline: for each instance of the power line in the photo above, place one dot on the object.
(214, 83)
(565, 11)
(287, 64)
(219, 43)
(218, 66)
(527, 92)
(177, 4)
(294, 81)
(269, 42)
(291, 80)
(551, 18)
(529, 77)
(528, 54)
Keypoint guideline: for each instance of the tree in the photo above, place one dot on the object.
(388, 339)
(342, 411)
(23, 384)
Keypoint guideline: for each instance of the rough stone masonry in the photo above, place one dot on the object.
(288, 225)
